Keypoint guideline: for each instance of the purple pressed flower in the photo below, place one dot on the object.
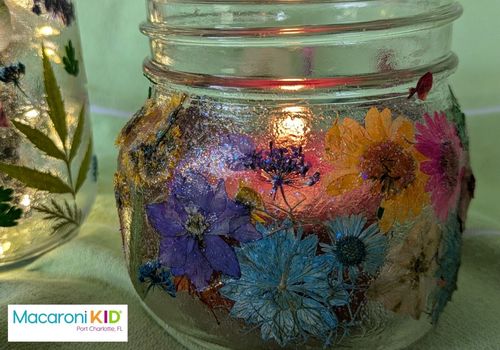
(239, 152)
(62, 9)
(192, 222)
(285, 166)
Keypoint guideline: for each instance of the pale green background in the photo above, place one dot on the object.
(90, 269)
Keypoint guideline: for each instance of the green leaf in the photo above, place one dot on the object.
(62, 217)
(6, 194)
(54, 98)
(77, 137)
(36, 179)
(8, 214)
(40, 140)
(84, 167)
(71, 64)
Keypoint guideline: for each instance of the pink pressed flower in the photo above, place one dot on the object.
(438, 141)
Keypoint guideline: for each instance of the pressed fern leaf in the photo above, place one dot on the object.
(63, 216)
(9, 214)
(71, 64)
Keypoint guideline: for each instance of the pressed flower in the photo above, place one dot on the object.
(355, 248)
(156, 276)
(239, 152)
(284, 287)
(280, 166)
(382, 154)
(449, 263)
(423, 87)
(62, 9)
(438, 141)
(191, 224)
(408, 277)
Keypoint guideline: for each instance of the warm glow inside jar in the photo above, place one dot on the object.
(299, 177)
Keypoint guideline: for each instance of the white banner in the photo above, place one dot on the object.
(68, 323)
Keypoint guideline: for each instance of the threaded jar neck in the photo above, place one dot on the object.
(296, 45)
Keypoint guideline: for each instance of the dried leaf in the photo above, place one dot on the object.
(69, 218)
(54, 99)
(36, 179)
(40, 140)
(77, 137)
(84, 167)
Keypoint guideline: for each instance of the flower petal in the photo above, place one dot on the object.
(343, 184)
(219, 199)
(378, 124)
(246, 233)
(173, 251)
(193, 188)
(166, 217)
(198, 269)
(221, 256)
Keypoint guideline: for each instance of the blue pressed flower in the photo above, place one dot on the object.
(449, 264)
(12, 73)
(355, 248)
(191, 224)
(284, 287)
(156, 276)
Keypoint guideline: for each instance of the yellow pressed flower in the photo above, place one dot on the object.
(382, 154)
(251, 198)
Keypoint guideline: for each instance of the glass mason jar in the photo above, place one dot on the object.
(47, 167)
(299, 177)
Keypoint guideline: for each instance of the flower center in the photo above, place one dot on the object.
(390, 165)
(449, 165)
(196, 224)
(419, 266)
(350, 250)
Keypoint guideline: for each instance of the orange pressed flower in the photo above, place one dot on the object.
(382, 154)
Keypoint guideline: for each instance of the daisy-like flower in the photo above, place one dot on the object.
(355, 248)
(408, 277)
(192, 222)
(382, 154)
(449, 263)
(284, 288)
(438, 141)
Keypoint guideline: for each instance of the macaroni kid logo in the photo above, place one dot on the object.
(28, 323)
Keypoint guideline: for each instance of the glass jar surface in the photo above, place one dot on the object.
(300, 176)
(47, 167)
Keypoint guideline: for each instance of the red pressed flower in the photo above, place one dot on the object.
(423, 87)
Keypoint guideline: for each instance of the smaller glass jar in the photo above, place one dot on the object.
(300, 177)
(47, 167)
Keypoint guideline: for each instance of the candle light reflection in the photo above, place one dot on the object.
(291, 126)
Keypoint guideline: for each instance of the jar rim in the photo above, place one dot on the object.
(230, 48)
(157, 26)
